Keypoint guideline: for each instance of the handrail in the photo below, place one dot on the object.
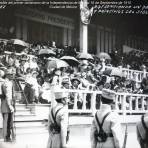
(124, 102)
(129, 73)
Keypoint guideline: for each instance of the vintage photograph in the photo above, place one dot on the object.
(73, 74)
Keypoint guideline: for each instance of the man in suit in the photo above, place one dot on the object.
(106, 127)
(58, 121)
(142, 131)
(7, 106)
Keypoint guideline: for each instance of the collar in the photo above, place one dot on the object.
(105, 107)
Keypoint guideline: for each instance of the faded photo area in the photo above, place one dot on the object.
(95, 52)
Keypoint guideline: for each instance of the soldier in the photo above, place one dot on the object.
(142, 131)
(58, 122)
(106, 128)
(7, 106)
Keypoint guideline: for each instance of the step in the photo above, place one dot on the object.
(29, 124)
(22, 109)
(37, 130)
(25, 113)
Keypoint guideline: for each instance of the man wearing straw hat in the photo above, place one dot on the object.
(106, 127)
(58, 121)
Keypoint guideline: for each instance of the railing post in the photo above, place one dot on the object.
(144, 71)
(130, 104)
(84, 101)
(142, 103)
(116, 102)
(124, 107)
(75, 100)
(93, 103)
(136, 104)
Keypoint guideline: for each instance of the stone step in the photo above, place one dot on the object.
(24, 113)
(29, 124)
(36, 130)
(22, 109)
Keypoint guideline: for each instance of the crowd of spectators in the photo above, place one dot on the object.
(31, 69)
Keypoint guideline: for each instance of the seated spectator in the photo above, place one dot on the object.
(74, 96)
(45, 91)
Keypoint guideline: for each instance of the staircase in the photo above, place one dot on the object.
(27, 121)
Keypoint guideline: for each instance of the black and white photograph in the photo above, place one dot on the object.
(73, 74)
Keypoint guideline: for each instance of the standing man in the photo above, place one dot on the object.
(106, 127)
(7, 106)
(58, 121)
(142, 131)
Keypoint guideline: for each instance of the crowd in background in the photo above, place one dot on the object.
(86, 72)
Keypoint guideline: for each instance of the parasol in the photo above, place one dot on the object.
(104, 55)
(46, 51)
(70, 60)
(56, 63)
(116, 72)
(86, 56)
(18, 42)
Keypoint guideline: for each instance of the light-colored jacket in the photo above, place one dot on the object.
(110, 125)
(141, 132)
(58, 140)
(7, 100)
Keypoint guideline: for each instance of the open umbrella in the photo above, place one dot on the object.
(86, 56)
(104, 55)
(70, 60)
(116, 72)
(46, 51)
(56, 63)
(18, 42)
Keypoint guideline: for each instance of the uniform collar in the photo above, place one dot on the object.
(105, 107)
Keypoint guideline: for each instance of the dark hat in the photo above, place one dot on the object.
(76, 79)
(23, 59)
(108, 94)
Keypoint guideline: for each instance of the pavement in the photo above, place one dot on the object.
(79, 138)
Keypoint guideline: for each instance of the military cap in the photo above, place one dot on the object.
(59, 93)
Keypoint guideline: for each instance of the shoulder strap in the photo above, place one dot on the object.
(54, 117)
(101, 124)
(143, 123)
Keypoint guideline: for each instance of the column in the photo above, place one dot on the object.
(25, 30)
(69, 37)
(110, 43)
(98, 40)
(65, 40)
(102, 40)
(83, 38)
(84, 34)
(18, 28)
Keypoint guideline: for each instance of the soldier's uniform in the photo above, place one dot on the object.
(111, 125)
(59, 113)
(7, 107)
(142, 131)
